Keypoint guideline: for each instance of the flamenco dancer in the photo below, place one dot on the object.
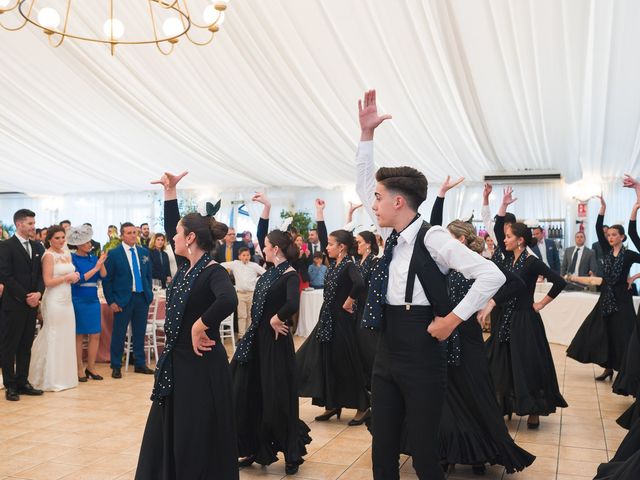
(190, 431)
(328, 363)
(604, 335)
(472, 430)
(263, 367)
(519, 356)
(409, 373)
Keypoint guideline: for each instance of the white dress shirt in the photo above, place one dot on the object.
(26, 245)
(579, 250)
(127, 250)
(447, 252)
(246, 274)
(542, 246)
(487, 219)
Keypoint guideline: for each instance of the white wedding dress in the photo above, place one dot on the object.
(53, 356)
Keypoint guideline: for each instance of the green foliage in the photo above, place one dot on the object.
(301, 221)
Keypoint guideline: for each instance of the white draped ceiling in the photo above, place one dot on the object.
(474, 86)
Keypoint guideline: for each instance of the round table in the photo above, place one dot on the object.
(310, 305)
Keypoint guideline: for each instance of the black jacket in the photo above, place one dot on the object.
(19, 273)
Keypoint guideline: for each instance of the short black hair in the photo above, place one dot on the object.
(242, 250)
(605, 226)
(509, 218)
(125, 225)
(143, 224)
(407, 181)
(22, 214)
(87, 224)
(65, 221)
(38, 230)
(318, 255)
(537, 227)
(112, 226)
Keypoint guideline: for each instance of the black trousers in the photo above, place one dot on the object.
(17, 330)
(409, 383)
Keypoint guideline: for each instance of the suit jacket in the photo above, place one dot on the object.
(587, 262)
(19, 273)
(221, 250)
(160, 269)
(553, 257)
(119, 280)
(95, 248)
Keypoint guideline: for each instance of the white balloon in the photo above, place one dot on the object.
(172, 27)
(118, 28)
(49, 18)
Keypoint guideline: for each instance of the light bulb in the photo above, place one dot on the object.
(49, 18)
(118, 28)
(4, 3)
(211, 15)
(172, 27)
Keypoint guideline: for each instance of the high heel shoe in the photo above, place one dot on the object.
(82, 379)
(91, 375)
(605, 375)
(533, 425)
(246, 461)
(364, 418)
(479, 469)
(291, 468)
(327, 415)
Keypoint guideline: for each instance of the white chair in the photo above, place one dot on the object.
(150, 338)
(226, 330)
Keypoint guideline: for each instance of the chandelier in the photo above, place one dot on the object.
(159, 22)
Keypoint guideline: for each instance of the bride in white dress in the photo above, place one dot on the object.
(53, 355)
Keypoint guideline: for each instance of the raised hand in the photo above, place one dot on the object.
(320, 204)
(261, 197)
(368, 114)
(169, 180)
(354, 206)
(448, 185)
(101, 259)
(507, 197)
(603, 204)
(629, 182)
(486, 191)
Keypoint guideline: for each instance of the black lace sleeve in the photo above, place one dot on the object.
(436, 211)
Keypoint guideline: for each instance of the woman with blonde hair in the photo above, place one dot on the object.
(160, 270)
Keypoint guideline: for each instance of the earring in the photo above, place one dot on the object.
(189, 248)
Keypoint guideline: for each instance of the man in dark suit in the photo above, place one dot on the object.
(21, 275)
(95, 246)
(227, 251)
(599, 254)
(128, 291)
(579, 260)
(546, 250)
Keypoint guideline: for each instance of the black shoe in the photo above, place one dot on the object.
(533, 426)
(606, 374)
(364, 418)
(291, 469)
(143, 369)
(246, 461)
(116, 373)
(479, 469)
(327, 415)
(12, 395)
(27, 389)
(91, 375)
(83, 379)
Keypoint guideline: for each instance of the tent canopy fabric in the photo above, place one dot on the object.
(474, 87)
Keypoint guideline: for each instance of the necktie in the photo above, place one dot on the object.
(574, 261)
(27, 247)
(228, 253)
(379, 281)
(137, 278)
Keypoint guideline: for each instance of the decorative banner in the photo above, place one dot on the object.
(582, 210)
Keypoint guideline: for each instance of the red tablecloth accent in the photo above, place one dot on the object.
(107, 327)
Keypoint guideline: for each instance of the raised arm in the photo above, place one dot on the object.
(323, 236)
(438, 205)
(263, 223)
(633, 228)
(602, 240)
(485, 212)
(352, 208)
(365, 167)
(169, 183)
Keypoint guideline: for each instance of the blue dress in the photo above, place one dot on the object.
(84, 295)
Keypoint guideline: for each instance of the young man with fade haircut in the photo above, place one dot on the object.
(415, 317)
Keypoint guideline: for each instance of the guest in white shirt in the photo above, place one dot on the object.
(409, 374)
(246, 274)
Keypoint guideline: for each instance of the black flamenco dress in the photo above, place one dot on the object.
(190, 432)
(367, 338)
(625, 464)
(328, 365)
(604, 335)
(263, 373)
(520, 359)
(472, 429)
(628, 379)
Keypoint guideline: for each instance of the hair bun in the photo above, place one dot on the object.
(218, 229)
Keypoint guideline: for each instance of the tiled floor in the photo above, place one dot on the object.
(94, 432)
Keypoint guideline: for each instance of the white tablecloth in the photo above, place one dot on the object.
(562, 317)
(310, 305)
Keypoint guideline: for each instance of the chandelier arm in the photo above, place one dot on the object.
(166, 5)
(193, 22)
(169, 52)
(24, 22)
(155, 32)
(63, 35)
(200, 44)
